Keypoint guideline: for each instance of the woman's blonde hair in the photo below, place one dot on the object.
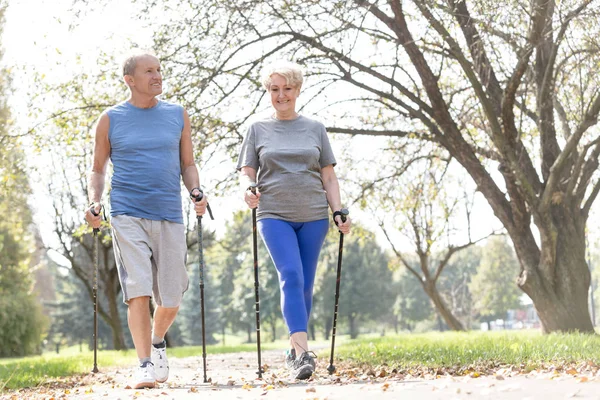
(292, 73)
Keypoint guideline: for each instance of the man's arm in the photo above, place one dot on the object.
(189, 172)
(98, 173)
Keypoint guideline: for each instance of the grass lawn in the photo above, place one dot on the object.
(466, 349)
(450, 349)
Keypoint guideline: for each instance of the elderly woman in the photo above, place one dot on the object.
(289, 156)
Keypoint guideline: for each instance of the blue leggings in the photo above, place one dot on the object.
(294, 248)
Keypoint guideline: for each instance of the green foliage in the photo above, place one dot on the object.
(21, 324)
(412, 304)
(72, 314)
(189, 319)
(21, 321)
(493, 287)
(234, 272)
(367, 292)
(454, 283)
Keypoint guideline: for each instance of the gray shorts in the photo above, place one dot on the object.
(151, 259)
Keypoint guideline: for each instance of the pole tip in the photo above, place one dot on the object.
(331, 369)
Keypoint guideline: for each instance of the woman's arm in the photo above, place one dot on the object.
(247, 178)
(332, 189)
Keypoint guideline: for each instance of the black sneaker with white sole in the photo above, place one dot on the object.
(304, 366)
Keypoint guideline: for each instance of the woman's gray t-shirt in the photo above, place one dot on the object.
(288, 155)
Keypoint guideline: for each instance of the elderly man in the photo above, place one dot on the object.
(149, 143)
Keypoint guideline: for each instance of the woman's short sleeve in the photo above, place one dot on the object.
(248, 156)
(327, 157)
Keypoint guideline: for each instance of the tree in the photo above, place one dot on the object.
(234, 271)
(500, 87)
(454, 284)
(412, 303)
(424, 210)
(493, 286)
(21, 321)
(63, 146)
(71, 316)
(366, 288)
(190, 316)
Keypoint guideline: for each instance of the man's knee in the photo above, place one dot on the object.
(139, 302)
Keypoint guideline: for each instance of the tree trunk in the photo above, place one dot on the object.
(328, 327)
(249, 331)
(353, 328)
(274, 330)
(441, 307)
(313, 332)
(559, 285)
(114, 320)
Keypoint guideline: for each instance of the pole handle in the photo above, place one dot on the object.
(95, 214)
(199, 197)
(343, 213)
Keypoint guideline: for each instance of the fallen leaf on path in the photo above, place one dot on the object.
(311, 390)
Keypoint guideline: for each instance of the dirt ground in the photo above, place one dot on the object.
(233, 376)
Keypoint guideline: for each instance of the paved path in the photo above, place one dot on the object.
(233, 377)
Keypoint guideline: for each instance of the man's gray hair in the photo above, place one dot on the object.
(131, 62)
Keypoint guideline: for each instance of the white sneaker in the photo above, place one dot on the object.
(161, 364)
(144, 376)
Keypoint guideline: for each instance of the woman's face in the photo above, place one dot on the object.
(283, 96)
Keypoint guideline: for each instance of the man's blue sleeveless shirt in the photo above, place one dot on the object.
(144, 150)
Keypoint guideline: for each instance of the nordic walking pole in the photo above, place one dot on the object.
(252, 188)
(95, 290)
(331, 367)
(201, 266)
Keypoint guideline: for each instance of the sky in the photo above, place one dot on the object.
(37, 35)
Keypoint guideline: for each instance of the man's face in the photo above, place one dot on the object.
(283, 96)
(147, 78)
